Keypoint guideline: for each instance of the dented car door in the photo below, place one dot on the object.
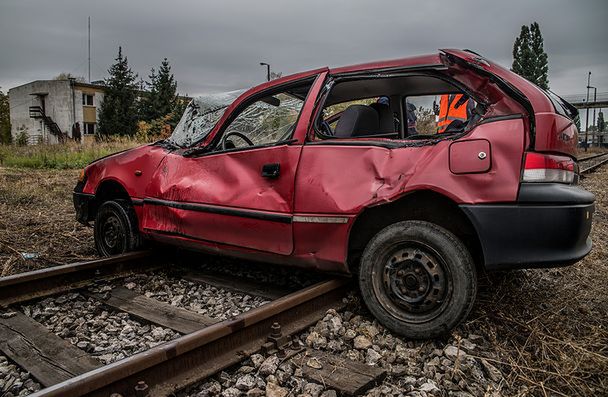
(240, 193)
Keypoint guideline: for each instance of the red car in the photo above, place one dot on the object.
(343, 170)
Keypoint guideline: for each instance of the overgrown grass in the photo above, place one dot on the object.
(61, 156)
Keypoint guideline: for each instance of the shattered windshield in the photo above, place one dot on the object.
(200, 117)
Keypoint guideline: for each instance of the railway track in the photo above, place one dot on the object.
(205, 347)
(589, 164)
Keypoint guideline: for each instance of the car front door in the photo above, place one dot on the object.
(240, 193)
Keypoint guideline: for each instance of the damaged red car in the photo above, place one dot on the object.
(411, 175)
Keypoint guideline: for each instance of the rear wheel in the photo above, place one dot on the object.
(115, 229)
(417, 279)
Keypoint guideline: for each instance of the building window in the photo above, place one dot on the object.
(87, 99)
(89, 128)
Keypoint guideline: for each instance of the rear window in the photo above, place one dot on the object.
(562, 107)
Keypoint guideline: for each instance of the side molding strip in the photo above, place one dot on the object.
(319, 219)
(266, 216)
(220, 210)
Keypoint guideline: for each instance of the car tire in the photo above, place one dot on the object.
(115, 229)
(417, 279)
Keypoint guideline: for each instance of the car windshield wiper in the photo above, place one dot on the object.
(194, 151)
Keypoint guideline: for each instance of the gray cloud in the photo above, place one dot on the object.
(216, 46)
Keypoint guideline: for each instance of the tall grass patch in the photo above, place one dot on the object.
(60, 156)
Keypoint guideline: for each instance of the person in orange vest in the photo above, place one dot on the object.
(453, 107)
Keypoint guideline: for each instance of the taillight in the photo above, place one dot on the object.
(540, 167)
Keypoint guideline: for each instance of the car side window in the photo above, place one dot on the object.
(395, 107)
(266, 121)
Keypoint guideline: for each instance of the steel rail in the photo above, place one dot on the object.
(593, 156)
(196, 356)
(594, 166)
(53, 280)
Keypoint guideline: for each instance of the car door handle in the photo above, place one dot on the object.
(271, 170)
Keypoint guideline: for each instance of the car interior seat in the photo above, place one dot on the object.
(387, 122)
(357, 120)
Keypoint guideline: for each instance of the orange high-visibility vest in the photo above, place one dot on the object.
(448, 111)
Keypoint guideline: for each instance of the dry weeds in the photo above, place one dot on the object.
(550, 326)
(37, 217)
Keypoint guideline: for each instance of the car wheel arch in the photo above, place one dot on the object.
(423, 205)
(109, 189)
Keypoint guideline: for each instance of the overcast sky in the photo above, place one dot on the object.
(217, 46)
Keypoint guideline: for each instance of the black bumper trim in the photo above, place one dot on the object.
(83, 204)
(530, 236)
(553, 193)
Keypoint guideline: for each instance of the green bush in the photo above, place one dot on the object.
(21, 139)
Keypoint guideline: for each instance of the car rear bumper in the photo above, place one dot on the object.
(548, 226)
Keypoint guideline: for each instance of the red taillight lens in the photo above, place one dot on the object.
(549, 168)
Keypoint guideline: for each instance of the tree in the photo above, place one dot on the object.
(5, 119)
(68, 76)
(601, 124)
(180, 108)
(529, 57)
(162, 97)
(118, 113)
(425, 121)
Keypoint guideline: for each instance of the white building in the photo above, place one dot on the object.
(50, 110)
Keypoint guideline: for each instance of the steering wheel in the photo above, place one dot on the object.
(242, 136)
(326, 128)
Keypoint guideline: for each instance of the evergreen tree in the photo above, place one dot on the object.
(141, 100)
(162, 98)
(5, 119)
(118, 113)
(601, 124)
(529, 57)
(178, 111)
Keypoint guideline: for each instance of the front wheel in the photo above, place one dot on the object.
(417, 279)
(116, 230)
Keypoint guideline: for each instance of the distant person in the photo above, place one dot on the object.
(76, 135)
(384, 100)
(410, 111)
(454, 107)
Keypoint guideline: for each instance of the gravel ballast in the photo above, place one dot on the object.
(454, 367)
(106, 334)
(214, 302)
(15, 381)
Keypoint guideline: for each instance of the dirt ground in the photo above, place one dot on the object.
(37, 217)
(549, 327)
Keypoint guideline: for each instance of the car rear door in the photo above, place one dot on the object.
(239, 196)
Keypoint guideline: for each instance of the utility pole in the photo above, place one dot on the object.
(593, 120)
(600, 133)
(587, 112)
(89, 49)
(267, 70)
